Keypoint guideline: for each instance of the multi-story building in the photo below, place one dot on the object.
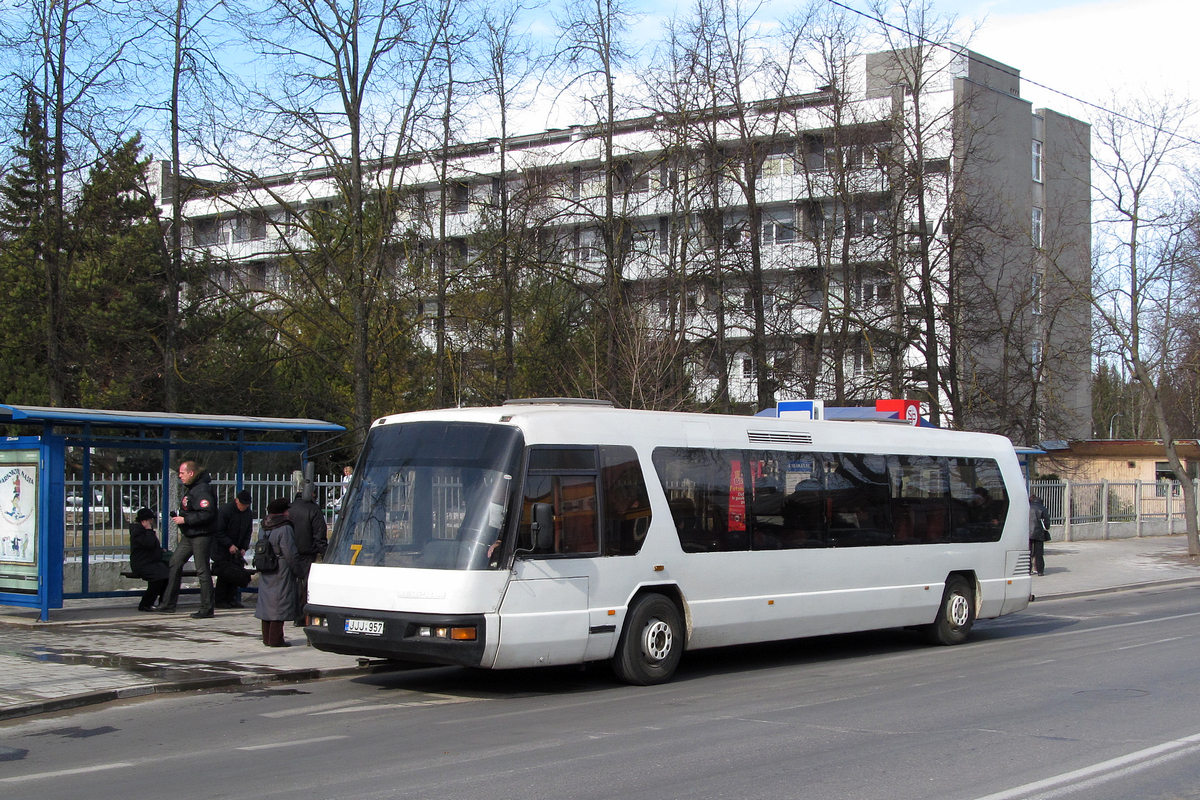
(919, 230)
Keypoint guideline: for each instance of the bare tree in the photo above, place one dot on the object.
(593, 50)
(184, 78)
(1142, 252)
(348, 87)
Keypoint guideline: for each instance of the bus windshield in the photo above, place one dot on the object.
(429, 495)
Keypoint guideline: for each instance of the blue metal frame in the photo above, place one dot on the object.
(52, 446)
(50, 465)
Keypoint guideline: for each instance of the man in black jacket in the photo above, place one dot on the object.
(310, 532)
(196, 519)
(235, 524)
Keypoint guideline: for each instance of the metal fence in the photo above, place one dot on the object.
(101, 525)
(1107, 504)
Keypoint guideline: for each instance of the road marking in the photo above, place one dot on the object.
(37, 776)
(277, 745)
(445, 701)
(1082, 779)
(1151, 644)
(313, 709)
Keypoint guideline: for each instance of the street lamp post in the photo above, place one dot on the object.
(1111, 420)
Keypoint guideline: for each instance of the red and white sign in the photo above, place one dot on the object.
(907, 410)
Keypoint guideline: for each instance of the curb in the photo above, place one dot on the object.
(1127, 587)
(102, 696)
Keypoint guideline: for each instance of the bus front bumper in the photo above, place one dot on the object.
(423, 638)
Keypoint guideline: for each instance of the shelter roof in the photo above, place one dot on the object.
(158, 419)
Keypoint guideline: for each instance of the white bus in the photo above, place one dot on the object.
(562, 532)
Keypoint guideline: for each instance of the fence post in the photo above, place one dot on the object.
(1104, 506)
(1137, 505)
(1066, 511)
(1170, 507)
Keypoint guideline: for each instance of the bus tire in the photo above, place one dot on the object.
(956, 613)
(651, 643)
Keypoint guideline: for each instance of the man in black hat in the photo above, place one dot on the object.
(235, 524)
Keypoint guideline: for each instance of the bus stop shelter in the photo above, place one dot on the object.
(33, 477)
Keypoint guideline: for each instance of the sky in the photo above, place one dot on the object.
(1090, 49)
(1085, 48)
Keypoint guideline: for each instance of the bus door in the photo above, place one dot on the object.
(545, 615)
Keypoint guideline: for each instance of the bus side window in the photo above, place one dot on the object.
(979, 505)
(920, 501)
(565, 478)
(626, 502)
(859, 496)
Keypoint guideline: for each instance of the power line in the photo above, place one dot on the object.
(1069, 96)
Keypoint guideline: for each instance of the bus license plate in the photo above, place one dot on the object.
(366, 627)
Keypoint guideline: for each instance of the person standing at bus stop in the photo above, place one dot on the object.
(196, 518)
(276, 602)
(231, 540)
(1039, 533)
(311, 534)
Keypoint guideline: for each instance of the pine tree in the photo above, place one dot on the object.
(24, 198)
(117, 286)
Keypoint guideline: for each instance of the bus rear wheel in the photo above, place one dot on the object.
(956, 614)
(651, 643)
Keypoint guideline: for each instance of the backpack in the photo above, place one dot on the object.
(265, 557)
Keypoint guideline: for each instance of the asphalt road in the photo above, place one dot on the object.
(1077, 698)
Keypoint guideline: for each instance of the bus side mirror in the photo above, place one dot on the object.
(542, 528)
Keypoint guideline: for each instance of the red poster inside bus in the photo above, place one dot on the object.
(737, 497)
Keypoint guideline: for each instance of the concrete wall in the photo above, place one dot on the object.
(1095, 531)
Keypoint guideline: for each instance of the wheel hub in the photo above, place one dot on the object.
(656, 640)
(959, 611)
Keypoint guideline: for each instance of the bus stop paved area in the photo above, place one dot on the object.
(95, 651)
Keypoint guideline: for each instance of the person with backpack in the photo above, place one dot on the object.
(1039, 533)
(275, 558)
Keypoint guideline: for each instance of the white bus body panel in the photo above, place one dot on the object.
(419, 591)
(544, 616)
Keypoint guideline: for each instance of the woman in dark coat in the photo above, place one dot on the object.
(146, 558)
(277, 590)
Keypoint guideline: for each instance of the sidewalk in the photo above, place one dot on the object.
(96, 651)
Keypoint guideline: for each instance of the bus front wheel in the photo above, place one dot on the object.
(956, 614)
(651, 643)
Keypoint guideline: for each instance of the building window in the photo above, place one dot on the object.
(768, 302)
(1037, 161)
(864, 360)
(1035, 227)
(779, 226)
(1165, 479)
(459, 197)
(589, 184)
(779, 164)
(206, 232)
(1036, 293)
(249, 228)
(1035, 353)
(747, 368)
(876, 293)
